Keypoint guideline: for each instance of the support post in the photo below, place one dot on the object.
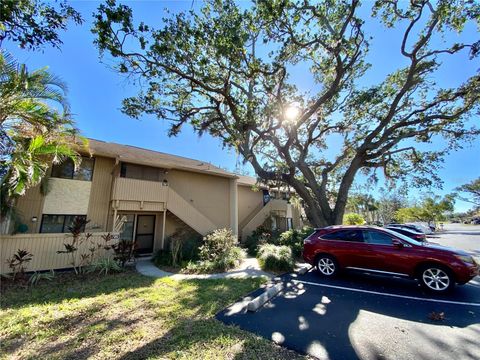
(234, 206)
(114, 217)
(163, 227)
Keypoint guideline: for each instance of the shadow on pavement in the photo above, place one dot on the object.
(319, 320)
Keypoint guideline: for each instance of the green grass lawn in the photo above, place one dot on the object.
(127, 316)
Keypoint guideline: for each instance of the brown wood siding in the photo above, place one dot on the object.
(30, 205)
(139, 190)
(99, 203)
(44, 248)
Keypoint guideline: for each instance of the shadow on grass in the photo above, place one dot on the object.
(209, 338)
(68, 286)
(79, 318)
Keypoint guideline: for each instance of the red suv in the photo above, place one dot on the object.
(384, 251)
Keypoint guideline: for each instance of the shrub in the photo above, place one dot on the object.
(163, 257)
(231, 259)
(261, 235)
(105, 265)
(353, 219)
(186, 249)
(275, 258)
(294, 239)
(36, 277)
(18, 262)
(123, 251)
(218, 253)
(76, 229)
(191, 247)
(216, 244)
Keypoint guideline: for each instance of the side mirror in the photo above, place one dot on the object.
(397, 243)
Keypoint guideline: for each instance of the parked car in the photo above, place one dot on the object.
(386, 252)
(407, 226)
(423, 226)
(415, 235)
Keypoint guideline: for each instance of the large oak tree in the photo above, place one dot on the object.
(225, 70)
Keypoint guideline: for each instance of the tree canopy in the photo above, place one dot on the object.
(226, 70)
(431, 209)
(34, 23)
(472, 189)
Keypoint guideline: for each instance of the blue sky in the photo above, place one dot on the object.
(95, 93)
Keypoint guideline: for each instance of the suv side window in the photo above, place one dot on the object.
(344, 235)
(377, 238)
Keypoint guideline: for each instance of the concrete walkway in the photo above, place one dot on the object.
(249, 268)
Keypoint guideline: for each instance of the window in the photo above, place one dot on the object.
(345, 235)
(289, 223)
(140, 172)
(66, 170)
(128, 226)
(58, 223)
(377, 238)
(274, 223)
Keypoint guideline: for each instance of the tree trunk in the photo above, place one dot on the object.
(345, 185)
(316, 217)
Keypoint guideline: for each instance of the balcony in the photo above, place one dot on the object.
(125, 189)
(142, 195)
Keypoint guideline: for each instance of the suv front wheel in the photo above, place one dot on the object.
(327, 265)
(436, 278)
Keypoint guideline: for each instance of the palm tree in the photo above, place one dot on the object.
(28, 97)
(35, 127)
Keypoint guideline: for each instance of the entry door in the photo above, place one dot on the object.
(145, 233)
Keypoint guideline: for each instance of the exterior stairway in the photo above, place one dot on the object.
(181, 208)
(258, 218)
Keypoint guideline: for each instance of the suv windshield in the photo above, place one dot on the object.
(403, 237)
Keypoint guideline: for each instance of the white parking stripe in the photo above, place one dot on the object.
(386, 294)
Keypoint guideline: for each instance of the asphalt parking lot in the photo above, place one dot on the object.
(369, 317)
(465, 237)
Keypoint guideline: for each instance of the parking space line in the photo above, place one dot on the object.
(387, 294)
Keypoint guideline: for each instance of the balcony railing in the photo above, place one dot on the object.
(139, 190)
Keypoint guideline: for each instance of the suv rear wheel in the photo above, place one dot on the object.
(327, 265)
(436, 278)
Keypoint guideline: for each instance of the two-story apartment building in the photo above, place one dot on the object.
(156, 193)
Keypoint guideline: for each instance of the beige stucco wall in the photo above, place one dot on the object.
(67, 196)
(208, 194)
(248, 201)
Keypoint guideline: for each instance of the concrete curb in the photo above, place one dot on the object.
(267, 295)
(303, 270)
